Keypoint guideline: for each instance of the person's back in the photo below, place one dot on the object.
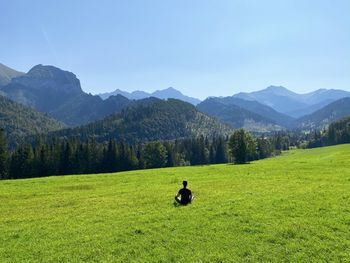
(186, 195)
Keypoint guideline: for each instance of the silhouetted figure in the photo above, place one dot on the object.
(186, 195)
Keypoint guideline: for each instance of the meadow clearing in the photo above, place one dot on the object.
(291, 208)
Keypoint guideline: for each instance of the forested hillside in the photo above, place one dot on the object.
(19, 121)
(330, 113)
(148, 120)
(236, 116)
(337, 133)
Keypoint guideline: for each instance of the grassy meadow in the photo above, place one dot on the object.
(291, 208)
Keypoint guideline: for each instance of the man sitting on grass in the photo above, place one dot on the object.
(186, 195)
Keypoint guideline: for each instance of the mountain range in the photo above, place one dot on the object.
(259, 117)
(169, 93)
(59, 95)
(291, 103)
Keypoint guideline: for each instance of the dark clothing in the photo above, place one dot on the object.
(186, 196)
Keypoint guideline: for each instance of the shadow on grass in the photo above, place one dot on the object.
(238, 163)
(176, 204)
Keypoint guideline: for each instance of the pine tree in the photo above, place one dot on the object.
(110, 159)
(220, 153)
(3, 156)
(22, 163)
(171, 155)
(65, 166)
(43, 164)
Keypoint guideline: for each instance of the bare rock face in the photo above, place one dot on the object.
(50, 78)
(44, 88)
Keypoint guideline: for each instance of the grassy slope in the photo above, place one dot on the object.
(290, 208)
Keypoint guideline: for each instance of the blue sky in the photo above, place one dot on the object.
(203, 48)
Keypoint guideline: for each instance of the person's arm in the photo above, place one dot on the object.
(178, 194)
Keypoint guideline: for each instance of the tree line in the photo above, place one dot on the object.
(73, 156)
(337, 133)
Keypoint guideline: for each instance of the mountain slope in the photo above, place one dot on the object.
(278, 98)
(19, 121)
(236, 116)
(332, 112)
(322, 95)
(169, 93)
(309, 109)
(263, 110)
(152, 119)
(58, 93)
(87, 108)
(6, 74)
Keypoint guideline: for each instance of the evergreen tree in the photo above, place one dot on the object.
(22, 163)
(110, 157)
(220, 153)
(139, 157)
(155, 155)
(264, 148)
(212, 154)
(94, 153)
(242, 146)
(66, 160)
(3, 156)
(171, 154)
(42, 161)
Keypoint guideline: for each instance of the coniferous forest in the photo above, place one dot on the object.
(61, 157)
(76, 156)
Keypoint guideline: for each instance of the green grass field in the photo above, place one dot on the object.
(292, 208)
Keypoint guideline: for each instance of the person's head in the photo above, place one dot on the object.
(184, 183)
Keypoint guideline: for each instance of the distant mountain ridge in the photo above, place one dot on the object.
(291, 103)
(261, 111)
(169, 93)
(135, 95)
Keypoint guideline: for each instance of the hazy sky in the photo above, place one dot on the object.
(202, 48)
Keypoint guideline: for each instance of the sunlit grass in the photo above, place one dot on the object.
(295, 207)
